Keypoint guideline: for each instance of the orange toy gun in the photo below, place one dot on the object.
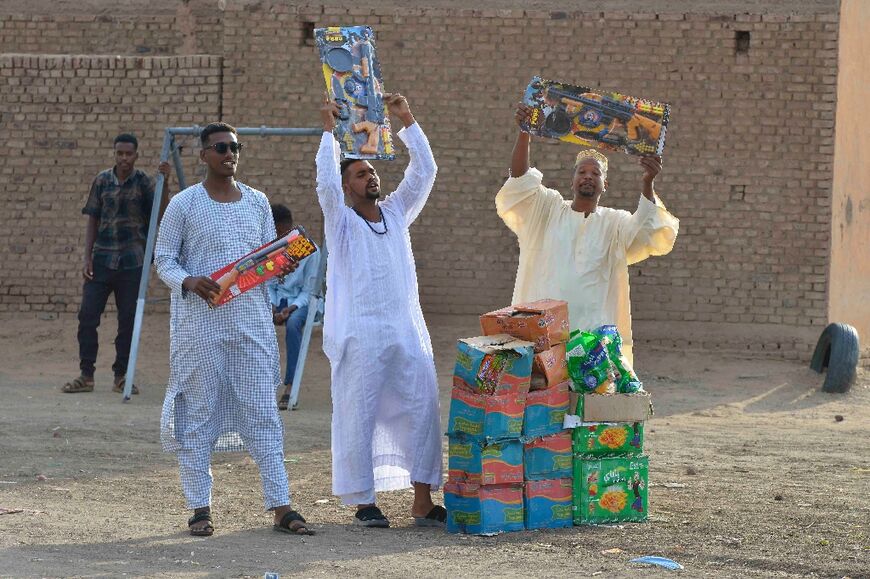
(261, 265)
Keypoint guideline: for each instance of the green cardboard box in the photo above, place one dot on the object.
(608, 439)
(610, 490)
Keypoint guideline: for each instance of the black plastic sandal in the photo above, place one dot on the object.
(206, 531)
(371, 517)
(437, 517)
(288, 519)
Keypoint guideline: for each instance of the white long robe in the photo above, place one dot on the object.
(582, 260)
(386, 429)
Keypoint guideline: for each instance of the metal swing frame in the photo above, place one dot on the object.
(171, 148)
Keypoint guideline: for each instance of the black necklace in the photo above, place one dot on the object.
(384, 221)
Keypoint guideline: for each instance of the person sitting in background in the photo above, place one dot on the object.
(290, 299)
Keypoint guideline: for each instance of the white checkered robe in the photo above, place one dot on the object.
(386, 429)
(224, 368)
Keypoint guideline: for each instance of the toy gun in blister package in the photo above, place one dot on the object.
(580, 114)
(261, 265)
(373, 102)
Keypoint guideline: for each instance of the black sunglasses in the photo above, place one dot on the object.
(222, 148)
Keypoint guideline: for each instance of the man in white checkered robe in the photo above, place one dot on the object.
(386, 430)
(224, 368)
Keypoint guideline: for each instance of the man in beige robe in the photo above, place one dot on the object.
(576, 250)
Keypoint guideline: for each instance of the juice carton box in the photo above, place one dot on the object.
(548, 457)
(483, 510)
(544, 322)
(545, 410)
(497, 364)
(488, 463)
(548, 503)
(486, 417)
(609, 490)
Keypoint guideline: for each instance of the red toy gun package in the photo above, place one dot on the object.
(261, 265)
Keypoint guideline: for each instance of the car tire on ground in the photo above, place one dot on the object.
(837, 350)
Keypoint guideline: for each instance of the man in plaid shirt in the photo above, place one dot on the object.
(118, 210)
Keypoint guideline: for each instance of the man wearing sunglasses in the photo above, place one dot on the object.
(118, 210)
(224, 369)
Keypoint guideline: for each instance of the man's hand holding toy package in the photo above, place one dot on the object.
(261, 265)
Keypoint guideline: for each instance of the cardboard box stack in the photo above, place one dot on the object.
(491, 380)
(547, 469)
(609, 409)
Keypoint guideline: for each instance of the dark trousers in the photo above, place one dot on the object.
(125, 285)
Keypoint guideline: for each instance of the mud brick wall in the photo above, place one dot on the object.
(59, 117)
(748, 160)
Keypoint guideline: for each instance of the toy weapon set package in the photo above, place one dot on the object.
(609, 121)
(353, 81)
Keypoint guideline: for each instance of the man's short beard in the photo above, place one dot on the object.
(373, 194)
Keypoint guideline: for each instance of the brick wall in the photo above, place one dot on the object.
(747, 164)
(59, 116)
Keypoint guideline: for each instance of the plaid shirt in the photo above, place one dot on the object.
(123, 211)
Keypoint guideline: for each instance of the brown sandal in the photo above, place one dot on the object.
(80, 384)
(119, 385)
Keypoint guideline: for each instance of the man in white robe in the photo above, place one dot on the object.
(386, 429)
(223, 361)
(577, 250)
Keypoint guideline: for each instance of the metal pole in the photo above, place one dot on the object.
(146, 268)
(313, 306)
(179, 169)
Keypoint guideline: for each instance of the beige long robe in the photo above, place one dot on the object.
(582, 260)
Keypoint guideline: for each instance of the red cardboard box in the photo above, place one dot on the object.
(544, 322)
(552, 366)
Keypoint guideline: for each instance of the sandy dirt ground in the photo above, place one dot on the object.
(753, 472)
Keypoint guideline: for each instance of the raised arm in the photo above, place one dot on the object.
(520, 157)
(651, 230)
(419, 178)
(329, 191)
(523, 203)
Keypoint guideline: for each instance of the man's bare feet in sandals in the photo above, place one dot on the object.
(289, 521)
(120, 381)
(80, 384)
(200, 524)
(425, 512)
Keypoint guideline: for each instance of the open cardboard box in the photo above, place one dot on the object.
(590, 407)
(494, 365)
(544, 322)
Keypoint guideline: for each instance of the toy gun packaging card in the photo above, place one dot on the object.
(605, 120)
(353, 81)
(260, 265)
